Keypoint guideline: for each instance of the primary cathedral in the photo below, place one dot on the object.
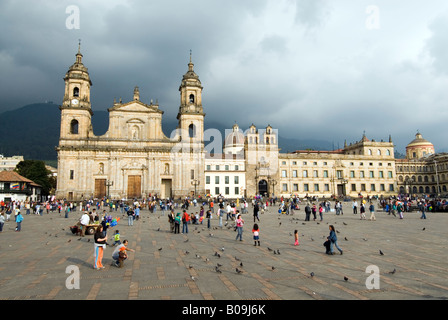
(134, 158)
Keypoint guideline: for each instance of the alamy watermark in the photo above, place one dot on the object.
(73, 19)
(73, 280)
(373, 18)
(373, 280)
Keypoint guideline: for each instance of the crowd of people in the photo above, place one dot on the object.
(203, 210)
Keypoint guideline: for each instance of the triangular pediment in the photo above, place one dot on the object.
(135, 106)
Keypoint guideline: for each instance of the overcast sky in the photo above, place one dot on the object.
(321, 69)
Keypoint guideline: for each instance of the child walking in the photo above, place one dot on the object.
(117, 238)
(256, 232)
(296, 237)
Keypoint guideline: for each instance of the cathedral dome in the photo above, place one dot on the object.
(419, 147)
(77, 70)
(191, 78)
(234, 141)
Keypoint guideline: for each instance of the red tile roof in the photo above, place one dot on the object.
(12, 176)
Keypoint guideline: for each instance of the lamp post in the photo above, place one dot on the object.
(108, 185)
(273, 182)
(195, 183)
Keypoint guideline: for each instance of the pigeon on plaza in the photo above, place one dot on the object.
(423, 229)
(193, 278)
(344, 223)
(217, 269)
(393, 271)
(345, 278)
(278, 251)
(190, 266)
(312, 274)
(273, 268)
(241, 264)
(186, 240)
(222, 249)
(381, 253)
(187, 252)
(197, 256)
(269, 249)
(160, 249)
(237, 259)
(238, 270)
(345, 239)
(218, 265)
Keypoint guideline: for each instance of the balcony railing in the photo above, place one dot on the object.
(27, 191)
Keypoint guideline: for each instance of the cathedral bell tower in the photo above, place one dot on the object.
(76, 112)
(191, 135)
(191, 115)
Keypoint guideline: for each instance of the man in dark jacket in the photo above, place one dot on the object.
(307, 212)
(256, 210)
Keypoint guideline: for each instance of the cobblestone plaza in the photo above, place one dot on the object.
(170, 266)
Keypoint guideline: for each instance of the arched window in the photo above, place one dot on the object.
(76, 92)
(74, 126)
(191, 131)
(379, 152)
(267, 140)
(370, 152)
(191, 98)
(388, 152)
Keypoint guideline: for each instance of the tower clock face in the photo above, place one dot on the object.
(75, 101)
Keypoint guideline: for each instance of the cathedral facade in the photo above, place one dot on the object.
(134, 158)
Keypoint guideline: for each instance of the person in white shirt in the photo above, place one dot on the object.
(229, 211)
(83, 222)
(355, 207)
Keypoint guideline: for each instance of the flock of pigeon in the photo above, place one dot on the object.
(217, 267)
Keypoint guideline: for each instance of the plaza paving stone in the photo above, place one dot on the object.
(33, 262)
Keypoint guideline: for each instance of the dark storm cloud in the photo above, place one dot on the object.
(311, 68)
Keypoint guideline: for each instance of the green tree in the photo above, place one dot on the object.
(36, 171)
